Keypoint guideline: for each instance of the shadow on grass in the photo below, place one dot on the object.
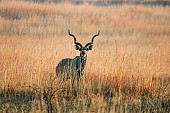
(91, 95)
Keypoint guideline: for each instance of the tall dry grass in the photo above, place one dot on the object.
(127, 71)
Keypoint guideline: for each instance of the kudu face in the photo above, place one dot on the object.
(87, 47)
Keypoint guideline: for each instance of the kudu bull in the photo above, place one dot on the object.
(73, 68)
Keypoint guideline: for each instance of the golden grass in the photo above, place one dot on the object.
(127, 71)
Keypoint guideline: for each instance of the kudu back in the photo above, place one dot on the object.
(73, 68)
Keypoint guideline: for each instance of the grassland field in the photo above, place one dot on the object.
(128, 71)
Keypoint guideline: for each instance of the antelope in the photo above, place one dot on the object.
(73, 68)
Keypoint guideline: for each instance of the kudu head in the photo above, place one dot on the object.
(83, 49)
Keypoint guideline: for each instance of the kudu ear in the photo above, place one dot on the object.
(77, 47)
(89, 46)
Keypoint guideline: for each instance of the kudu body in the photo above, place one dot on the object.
(73, 68)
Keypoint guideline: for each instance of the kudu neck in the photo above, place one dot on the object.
(83, 61)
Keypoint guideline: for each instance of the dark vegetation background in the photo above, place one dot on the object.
(103, 2)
